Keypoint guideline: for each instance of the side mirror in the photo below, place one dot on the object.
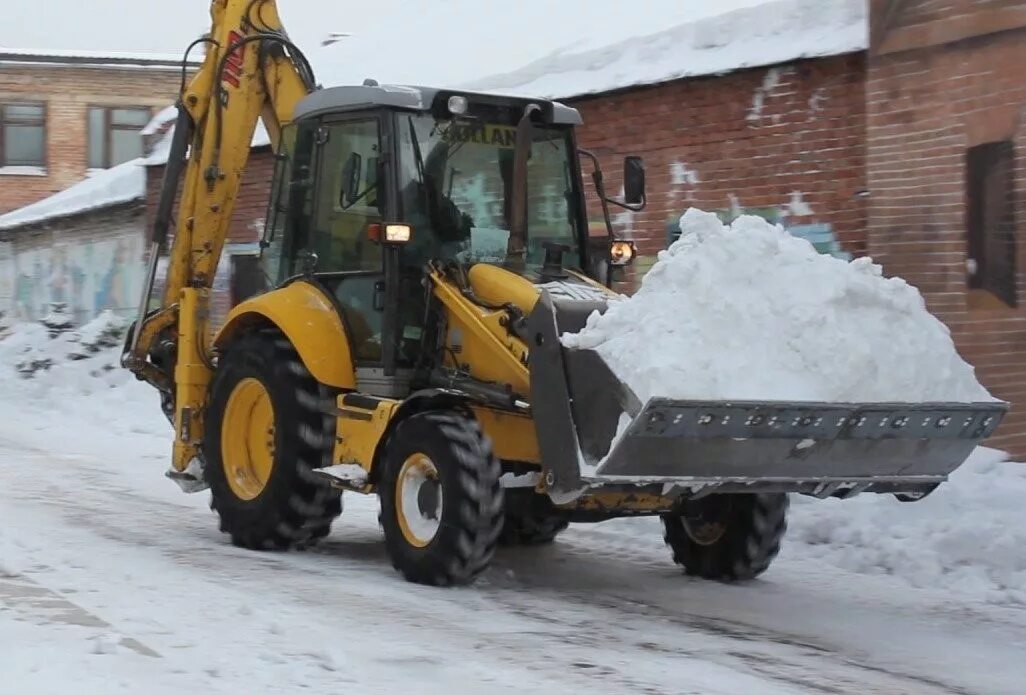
(634, 180)
(370, 174)
(352, 171)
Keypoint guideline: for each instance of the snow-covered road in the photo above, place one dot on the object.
(114, 581)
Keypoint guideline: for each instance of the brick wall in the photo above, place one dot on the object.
(251, 207)
(785, 142)
(929, 101)
(68, 92)
(907, 24)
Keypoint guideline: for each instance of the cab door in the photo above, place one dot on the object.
(349, 197)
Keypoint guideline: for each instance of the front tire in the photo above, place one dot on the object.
(441, 501)
(265, 433)
(730, 537)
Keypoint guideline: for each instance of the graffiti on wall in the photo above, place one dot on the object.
(793, 217)
(90, 276)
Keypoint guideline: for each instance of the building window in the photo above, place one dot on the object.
(991, 218)
(115, 135)
(22, 134)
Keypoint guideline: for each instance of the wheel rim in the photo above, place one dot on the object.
(247, 439)
(705, 520)
(418, 500)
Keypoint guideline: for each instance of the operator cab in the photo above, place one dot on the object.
(373, 182)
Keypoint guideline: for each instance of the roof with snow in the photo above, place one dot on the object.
(775, 32)
(161, 127)
(94, 59)
(121, 184)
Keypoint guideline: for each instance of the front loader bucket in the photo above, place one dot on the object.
(816, 448)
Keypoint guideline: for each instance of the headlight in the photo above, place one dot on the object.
(398, 233)
(622, 252)
(458, 105)
(390, 233)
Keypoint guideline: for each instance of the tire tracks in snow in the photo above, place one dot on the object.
(545, 638)
(108, 510)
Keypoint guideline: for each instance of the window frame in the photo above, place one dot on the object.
(43, 119)
(980, 164)
(108, 127)
(379, 117)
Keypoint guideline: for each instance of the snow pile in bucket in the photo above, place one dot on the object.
(749, 312)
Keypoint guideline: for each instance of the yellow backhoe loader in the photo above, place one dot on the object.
(423, 253)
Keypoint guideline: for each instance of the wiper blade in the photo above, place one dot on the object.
(427, 184)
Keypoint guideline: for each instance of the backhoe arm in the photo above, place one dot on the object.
(251, 71)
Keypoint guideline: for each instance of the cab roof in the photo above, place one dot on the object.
(424, 99)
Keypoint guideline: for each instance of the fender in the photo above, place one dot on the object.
(308, 318)
(513, 435)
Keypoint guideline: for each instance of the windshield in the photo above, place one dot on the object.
(457, 191)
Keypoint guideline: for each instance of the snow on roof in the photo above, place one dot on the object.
(121, 184)
(163, 61)
(775, 32)
(167, 115)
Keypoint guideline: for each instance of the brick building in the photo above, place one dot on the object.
(63, 114)
(785, 142)
(758, 111)
(946, 155)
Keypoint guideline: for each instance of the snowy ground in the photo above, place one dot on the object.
(111, 580)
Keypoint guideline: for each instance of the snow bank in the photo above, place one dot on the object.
(44, 352)
(121, 184)
(749, 312)
(968, 537)
(69, 393)
(767, 34)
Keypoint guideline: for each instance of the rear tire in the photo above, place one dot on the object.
(287, 506)
(441, 501)
(531, 529)
(730, 537)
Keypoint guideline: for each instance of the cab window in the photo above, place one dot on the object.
(348, 197)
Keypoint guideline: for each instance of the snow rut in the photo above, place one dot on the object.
(602, 609)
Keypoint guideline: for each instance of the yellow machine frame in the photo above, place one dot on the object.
(220, 148)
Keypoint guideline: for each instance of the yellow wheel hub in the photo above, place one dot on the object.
(247, 439)
(418, 500)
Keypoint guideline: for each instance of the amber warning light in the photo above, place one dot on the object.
(390, 233)
(622, 252)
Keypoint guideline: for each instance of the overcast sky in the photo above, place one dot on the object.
(443, 42)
